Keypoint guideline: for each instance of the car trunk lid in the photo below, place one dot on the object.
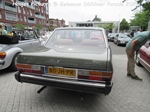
(50, 57)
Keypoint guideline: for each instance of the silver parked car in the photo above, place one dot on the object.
(19, 41)
(111, 36)
(122, 38)
(73, 58)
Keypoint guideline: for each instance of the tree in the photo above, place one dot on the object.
(38, 27)
(19, 26)
(97, 18)
(140, 19)
(51, 28)
(145, 4)
(107, 26)
(146, 8)
(88, 20)
(124, 25)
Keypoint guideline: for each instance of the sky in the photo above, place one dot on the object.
(83, 10)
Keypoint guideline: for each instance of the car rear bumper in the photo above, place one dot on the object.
(65, 84)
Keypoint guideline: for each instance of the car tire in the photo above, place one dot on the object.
(137, 60)
(12, 66)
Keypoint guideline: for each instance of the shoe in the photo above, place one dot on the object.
(137, 78)
(129, 75)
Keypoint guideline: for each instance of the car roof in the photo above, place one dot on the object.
(87, 28)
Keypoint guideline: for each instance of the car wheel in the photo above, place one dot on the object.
(13, 63)
(137, 60)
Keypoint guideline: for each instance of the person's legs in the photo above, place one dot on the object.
(131, 66)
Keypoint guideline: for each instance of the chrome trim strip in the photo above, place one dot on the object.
(93, 84)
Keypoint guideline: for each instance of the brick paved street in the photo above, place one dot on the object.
(127, 95)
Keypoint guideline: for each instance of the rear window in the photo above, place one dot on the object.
(81, 41)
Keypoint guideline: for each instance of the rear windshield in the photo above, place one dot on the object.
(81, 41)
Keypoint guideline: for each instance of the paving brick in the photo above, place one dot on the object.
(127, 95)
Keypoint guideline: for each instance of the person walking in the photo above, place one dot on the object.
(132, 33)
(131, 47)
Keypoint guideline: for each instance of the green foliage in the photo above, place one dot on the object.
(51, 28)
(19, 26)
(88, 20)
(124, 25)
(145, 4)
(98, 19)
(107, 26)
(141, 19)
(38, 26)
(146, 8)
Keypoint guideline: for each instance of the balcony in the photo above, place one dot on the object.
(11, 18)
(1, 5)
(10, 8)
(31, 21)
(39, 16)
(31, 6)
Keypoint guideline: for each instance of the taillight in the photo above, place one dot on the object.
(29, 68)
(2, 55)
(94, 75)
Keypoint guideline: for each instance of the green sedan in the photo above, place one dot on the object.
(74, 58)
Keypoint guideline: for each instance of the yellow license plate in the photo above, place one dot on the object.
(62, 71)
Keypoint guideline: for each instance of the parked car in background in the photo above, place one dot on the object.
(122, 38)
(143, 56)
(111, 36)
(70, 59)
(14, 43)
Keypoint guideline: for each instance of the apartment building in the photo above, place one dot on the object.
(55, 23)
(27, 12)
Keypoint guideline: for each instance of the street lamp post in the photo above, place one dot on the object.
(119, 24)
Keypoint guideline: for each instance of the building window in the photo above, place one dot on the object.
(10, 7)
(11, 16)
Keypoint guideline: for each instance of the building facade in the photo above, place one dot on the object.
(26, 12)
(96, 24)
(55, 23)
